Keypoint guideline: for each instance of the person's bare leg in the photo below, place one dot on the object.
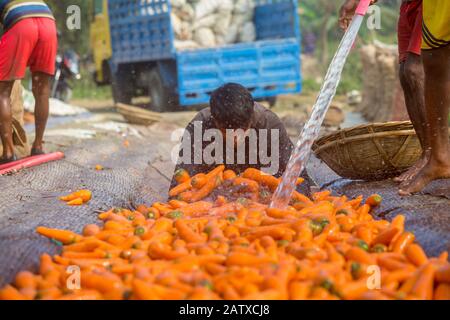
(437, 102)
(41, 92)
(412, 78)
(6, 119)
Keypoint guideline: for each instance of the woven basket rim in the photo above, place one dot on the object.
(334, 138)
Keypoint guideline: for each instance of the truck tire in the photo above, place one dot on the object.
(161, 99)
(120, 90)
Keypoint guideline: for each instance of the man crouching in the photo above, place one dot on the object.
(237, 132)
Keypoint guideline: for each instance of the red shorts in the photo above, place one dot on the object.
(410, 29)
(30, 42)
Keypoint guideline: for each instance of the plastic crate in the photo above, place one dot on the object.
(267, 68)
(141, 30)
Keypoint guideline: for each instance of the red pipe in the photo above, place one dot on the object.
(30, 162)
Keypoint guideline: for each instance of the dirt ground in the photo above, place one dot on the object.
(138, 169)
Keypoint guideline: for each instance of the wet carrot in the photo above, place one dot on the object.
(207, 189)
(442, 292)
(144, 291)
(163, 251)
(299, 290)
(374, 200)
(359, 255)
(229, 175)
(423, 288)
(404, 240)
(66, 237)
(181, 176)
(199, 181)
(399, 223)
(244, 259)
(443, 274)
(91, 230)
(416, 255)
(262, 178)
(195, 209)
(179, 189)
(385, 237)
(251, 185)
(10, 293)
(188, 234)
(354, 290)
(84, 195)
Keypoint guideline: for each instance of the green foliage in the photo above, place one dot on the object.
(76, 39)
(321, 18)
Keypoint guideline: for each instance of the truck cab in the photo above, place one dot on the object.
(100, 40)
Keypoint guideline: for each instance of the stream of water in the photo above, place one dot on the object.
(311, 131)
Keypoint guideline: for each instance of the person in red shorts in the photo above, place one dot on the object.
(412, 76)
(29, 40)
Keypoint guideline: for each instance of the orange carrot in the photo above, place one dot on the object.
(299, 290)
(423, 288)
(199, 181)
(262, 178)
(374, 200)
(229, 175)
(75, 202)
(402, 242)
(188, 234)
(251, 185)
(66, 237)
(181, 176)
(359, 255)
(443, 274)
(179, 189)
(442, 292)
(85, 195)
(416, 255)
(91, 230)
(207, 189)
(10, 293)
(385, 237)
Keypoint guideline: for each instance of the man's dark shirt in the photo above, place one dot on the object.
(262, 119)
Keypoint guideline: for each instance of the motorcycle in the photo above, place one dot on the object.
(67, 70)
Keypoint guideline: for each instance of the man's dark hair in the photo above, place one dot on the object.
(232, 106)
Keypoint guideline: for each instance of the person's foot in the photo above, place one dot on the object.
(433, 170)
(6, 160)
(414, 170)
(37, 150)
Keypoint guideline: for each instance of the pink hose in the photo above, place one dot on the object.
(363, 7)
(30, 162)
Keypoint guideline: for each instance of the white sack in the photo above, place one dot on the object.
(205, 37)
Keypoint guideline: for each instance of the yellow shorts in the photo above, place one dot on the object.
(436, 24)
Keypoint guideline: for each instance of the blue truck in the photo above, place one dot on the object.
(144, 60)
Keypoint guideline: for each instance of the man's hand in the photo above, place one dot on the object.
(347, 12)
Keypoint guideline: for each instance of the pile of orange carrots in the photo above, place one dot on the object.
(217, 239)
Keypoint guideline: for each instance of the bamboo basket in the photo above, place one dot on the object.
(137, 115)
(370, 152)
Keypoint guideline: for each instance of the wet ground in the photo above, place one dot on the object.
(138, 167)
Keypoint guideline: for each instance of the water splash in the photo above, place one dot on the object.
(311, 131)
